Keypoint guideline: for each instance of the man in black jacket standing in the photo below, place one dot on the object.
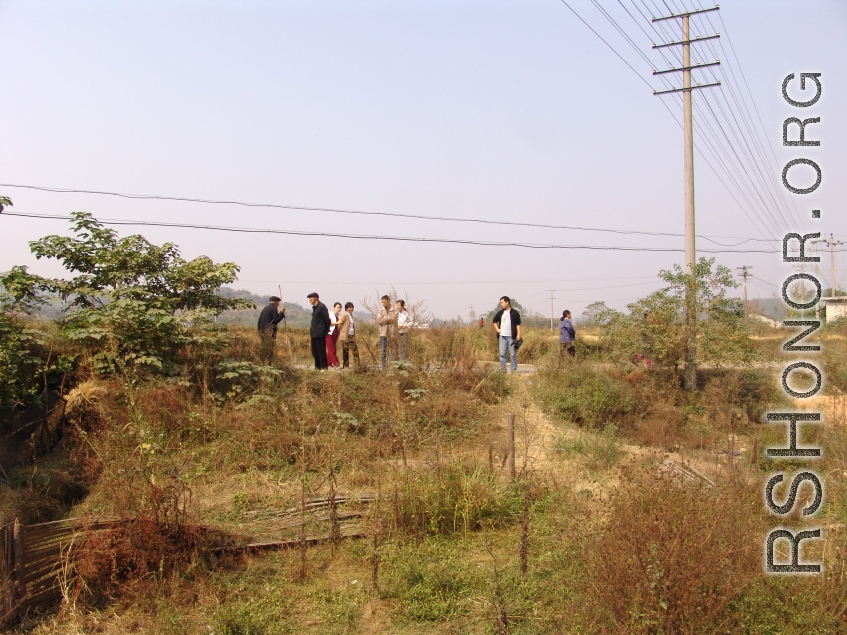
(507, 323)
(319, 330)
(270, 316)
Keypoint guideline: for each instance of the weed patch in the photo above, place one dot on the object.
(601, 450)
(582, 394)
(452, 498)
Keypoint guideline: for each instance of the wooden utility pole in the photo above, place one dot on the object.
(831, 243)
(744, 273)
(285, 328)
(551, 307)
(688, 152)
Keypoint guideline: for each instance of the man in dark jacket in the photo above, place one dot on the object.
(270, 316)
(319, 330)
(507, 323)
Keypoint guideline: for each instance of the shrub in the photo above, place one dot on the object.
(430, 583)
(582, 394)
(29, 361)
(132, 303)
(601, 450)
(657, 328)
(835, 365)
(673, 556)
(450, 498)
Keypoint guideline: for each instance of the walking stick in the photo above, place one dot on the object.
(285, 328)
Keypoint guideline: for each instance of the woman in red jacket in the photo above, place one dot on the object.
(332, 338)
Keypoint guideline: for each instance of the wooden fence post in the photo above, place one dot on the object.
(511, 430)
(5, 574)
(19, 568)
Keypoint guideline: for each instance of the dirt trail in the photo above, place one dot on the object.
(537, 435)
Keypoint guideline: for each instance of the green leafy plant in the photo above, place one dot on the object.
(133, 302)
(25, 354)
(655, 328)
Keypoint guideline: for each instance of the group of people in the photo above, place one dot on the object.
(328, 328)
(394, 322)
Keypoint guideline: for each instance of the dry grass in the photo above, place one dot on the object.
(579, 544)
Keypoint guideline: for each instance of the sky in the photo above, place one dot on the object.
(510, 111)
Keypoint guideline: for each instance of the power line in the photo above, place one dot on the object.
(454, 219)
(771, 185)
(629, 40)
(468, 282)
(753, 101)
(666, 35)
(606, 43)
(455, 241)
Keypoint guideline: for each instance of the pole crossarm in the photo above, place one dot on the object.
(682, 15)
(687, 68)
(694, 41)
(687, 90)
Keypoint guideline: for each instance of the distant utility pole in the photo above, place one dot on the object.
(688, 138)
(472, 314)
(831, 243)
(551, 307)
(802, 267)
(744, 273)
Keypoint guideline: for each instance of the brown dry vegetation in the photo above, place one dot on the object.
(590, 538)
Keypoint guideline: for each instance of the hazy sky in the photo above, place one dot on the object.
(510, 111)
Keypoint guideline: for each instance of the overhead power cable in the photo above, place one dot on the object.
(456, 241)
(727, 172)
(452, 219)
(763, 187)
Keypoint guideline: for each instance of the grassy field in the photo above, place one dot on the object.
(594, 534)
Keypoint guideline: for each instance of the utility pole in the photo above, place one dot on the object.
(802, 267)
(744, 273)
(551, 307)
(831, 243)
(472, 314)
(690, 380)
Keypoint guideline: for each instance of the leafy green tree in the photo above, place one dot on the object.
(133, 303)
(24, 355)
(656, 329)
(515, 305)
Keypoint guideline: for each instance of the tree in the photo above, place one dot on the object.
(515, 305)
(132, 302)
(24, 357)
(656, 326)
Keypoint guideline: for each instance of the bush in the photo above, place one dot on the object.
(450, 498)
(29, 359)
(432, 585)
(656, 327)
(583, 395)
(601, 450)
(134, 304)
(673, 556)
(835, 365)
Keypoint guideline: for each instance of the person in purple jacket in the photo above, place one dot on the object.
(567, 336)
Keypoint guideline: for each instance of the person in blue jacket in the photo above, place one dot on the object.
(567, 336)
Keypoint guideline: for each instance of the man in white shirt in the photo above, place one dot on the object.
(507, 323)
(404, 323)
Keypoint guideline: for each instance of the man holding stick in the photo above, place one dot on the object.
(270, 316)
